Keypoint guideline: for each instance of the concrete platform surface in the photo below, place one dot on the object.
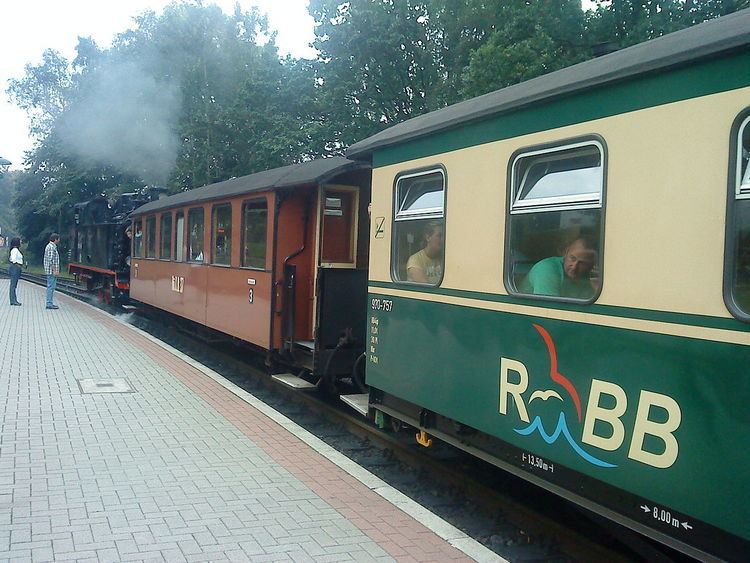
(157, 458)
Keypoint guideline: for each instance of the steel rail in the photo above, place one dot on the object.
(533, 523)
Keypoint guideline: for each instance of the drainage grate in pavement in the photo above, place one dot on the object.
(104, 386)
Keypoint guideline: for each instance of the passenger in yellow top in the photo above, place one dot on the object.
(567, 275)
(426, 266)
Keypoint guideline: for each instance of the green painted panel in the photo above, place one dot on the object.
(704, 321)
(447, 358)
(708, 77)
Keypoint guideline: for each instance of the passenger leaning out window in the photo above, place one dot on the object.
(569, 275)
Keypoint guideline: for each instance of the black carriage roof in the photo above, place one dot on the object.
(711, 38)
(305, 173)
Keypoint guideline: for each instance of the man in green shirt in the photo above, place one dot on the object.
(564, 276)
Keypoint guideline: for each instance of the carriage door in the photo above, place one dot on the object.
(341, 289)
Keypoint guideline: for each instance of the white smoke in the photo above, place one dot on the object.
(127, 119)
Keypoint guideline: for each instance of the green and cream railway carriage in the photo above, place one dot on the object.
(631, 394)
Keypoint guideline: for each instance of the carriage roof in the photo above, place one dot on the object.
(302, 174)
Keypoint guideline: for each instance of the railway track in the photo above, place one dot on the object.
(515, 519)
(69, 288)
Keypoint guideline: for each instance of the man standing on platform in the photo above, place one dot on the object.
(52, 268)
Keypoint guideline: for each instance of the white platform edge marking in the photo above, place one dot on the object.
(433, 522)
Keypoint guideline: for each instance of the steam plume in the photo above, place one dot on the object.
(125, 118)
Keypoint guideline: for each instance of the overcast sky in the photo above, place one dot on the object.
(29, 27)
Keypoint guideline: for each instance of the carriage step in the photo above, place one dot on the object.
(358, 402)
(293, 381)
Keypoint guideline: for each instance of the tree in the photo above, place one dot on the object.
(43, 91)
(627, 22)
(376, 65)
(526, 40)
(7, 190)
(182, 99)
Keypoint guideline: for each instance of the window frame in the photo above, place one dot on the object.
(203, 250)
(150, 236)
(133, 254)
(179, 214)
(242, 235)
(564, 204)
(169, 235)
(214, 208)
(734, 194)
(405, 217)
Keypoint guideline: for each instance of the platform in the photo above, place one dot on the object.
(157, 458)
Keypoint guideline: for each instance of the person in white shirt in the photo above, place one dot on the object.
(16, 262)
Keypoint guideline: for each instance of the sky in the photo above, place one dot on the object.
(29, 27)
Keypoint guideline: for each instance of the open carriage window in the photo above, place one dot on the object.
(738, 235)
(151, 237)
(165, 250)
(553, 247)
(419, 227)
(254, 226)
(138, 238)
(222, 234)
(195, 234)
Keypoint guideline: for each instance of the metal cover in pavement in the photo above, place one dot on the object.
(117, 385)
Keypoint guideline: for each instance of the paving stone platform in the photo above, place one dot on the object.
(160, 459)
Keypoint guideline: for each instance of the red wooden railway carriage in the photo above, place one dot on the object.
(277, 259)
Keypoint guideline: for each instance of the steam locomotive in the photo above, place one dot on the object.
(100, 253)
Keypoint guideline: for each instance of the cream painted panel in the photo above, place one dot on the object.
(380, 223)
(667, 182)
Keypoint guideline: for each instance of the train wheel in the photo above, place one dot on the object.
(327, 386)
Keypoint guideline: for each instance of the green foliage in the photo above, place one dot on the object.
(43, 91)
(7, 215)
(194, 96)
(186, 98)
(527, 40)
(376, 65)
(627, 22)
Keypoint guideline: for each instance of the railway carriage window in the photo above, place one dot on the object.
(418, 228)
(179, 237)
(339, 235)
(151, 237)
(165, 251)
(555, 222)
(222, 234)
(195, 235)
(740, 268)
(138, 239)
(254, 225)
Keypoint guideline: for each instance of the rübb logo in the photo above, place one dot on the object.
(600, 425)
